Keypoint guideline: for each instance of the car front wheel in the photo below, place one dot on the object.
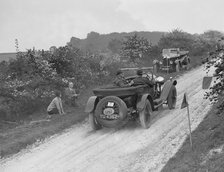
(145, 114)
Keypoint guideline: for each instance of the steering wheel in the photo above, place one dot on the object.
(149, 77)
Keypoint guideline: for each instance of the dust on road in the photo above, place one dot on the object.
(131, 148)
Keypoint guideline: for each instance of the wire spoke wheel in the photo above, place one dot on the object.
(111, 112)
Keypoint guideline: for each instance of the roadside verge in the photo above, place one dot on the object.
(208, 147)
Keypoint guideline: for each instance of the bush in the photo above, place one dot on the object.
(28, 84)
(216, 92)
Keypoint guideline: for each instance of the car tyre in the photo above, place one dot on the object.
(122, 108)
(145, 114)
(93, 122)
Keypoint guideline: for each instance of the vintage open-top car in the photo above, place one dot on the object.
(114, 106)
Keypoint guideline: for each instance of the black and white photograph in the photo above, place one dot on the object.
(111, 86)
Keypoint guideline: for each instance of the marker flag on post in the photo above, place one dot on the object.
(206, 82)
(184, 102)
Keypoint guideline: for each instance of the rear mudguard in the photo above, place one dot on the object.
(141, 102)
(91, 104)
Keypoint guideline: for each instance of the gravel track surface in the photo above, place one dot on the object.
(128, 149)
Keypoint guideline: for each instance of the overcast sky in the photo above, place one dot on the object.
(43, 23)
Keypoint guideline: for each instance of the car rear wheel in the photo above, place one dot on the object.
(145, 114)
(93, 122)
(111, 112)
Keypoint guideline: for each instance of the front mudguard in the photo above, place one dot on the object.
(91, 104)
(141, 102)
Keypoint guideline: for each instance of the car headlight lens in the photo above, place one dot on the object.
(160, 79)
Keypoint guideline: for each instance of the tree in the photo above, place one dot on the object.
(92, 44)
(63, 60)
(115, 45)
(212, 35)
(134, 47)
(209, 39)
(28, 84)
(176, 39)
(155, 52)
(93, 35)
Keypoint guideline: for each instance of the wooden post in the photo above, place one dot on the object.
(183, 105)
(153, 70)
(189, 123)
(167, 65)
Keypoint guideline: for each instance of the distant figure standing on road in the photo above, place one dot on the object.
(177, 66)
(55, 107)
(155, 66)
(172, 97)
(71, 94)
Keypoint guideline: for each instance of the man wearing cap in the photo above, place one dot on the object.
(120, 79)
(140, 80)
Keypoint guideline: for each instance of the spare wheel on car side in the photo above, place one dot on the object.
(111, 112)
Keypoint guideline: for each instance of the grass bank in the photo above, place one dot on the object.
(208, 148)
(18, 135)
(15, 136)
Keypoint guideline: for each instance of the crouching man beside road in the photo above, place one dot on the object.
(55, 107)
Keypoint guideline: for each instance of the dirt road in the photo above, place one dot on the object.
(128, 149)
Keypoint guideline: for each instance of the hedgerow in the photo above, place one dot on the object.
(27, 83)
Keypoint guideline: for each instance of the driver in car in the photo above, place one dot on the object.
(120, 80)
(140, 80)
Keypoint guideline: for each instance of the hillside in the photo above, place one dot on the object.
(100, 42)
(7, 56)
